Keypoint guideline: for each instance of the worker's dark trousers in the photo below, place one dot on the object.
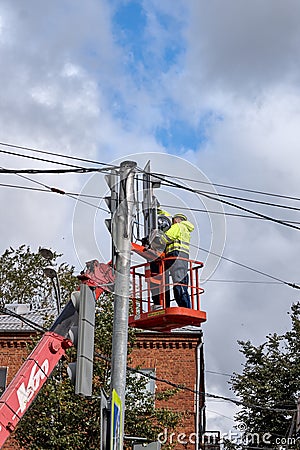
(154, 287)
(178, 269)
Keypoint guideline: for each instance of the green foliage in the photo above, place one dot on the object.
(270, 383)
(22, 279)
(60, 420)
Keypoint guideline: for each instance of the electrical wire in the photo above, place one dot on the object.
(40, 159)
(49, 189)
(87, 203)
(162, 380)
(219, 414)
(167, 182)
(243, 281)
(287, 197)
(293, 285)
(232, 261)
(234, 197)
(186, 388)
(101, 198)
(73, 196)
(212, 197)
(223, 213)
(23, 319)
(28, 188)
(53, 171)
(218, 373)
(74, 158)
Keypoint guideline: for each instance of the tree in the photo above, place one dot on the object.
(269, 388)
(58, 419)
(22, 279)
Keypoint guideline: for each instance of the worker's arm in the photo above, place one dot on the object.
(173, 233)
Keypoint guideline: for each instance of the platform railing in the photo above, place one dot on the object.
(145, 284)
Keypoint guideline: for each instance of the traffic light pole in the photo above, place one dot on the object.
(123, 236)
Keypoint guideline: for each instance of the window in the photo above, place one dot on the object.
(150, 386)
(150, 382)
(141, 391)
(3, 376)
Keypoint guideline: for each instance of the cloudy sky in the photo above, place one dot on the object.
(208, 91)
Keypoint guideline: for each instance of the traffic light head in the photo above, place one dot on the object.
(81, 371)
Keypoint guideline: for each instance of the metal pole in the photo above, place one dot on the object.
(298, 418)
(124, 220)
(58, 294)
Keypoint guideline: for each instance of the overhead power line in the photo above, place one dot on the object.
(243, 281)
(206, 394)
(52, 171)
(293, 285)
(219, 373)
(49, 189)
(55, 190)
(213, 197)
(36, 158)
(225, 213)
(23, 319)
(75, 197)
(74, 158)
(249, 200)
(39, 328)
(252, 191)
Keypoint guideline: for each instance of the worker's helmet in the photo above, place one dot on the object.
(180, 216)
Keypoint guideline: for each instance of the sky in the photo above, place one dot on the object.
(208, 91)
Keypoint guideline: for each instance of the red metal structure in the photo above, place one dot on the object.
(29, 380)
(98, 276)
(144, 284)
(35, 371)
(39, 365)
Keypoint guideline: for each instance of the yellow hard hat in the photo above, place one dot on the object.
(180, 216)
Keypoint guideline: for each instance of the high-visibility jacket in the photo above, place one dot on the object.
(162, 212)
(178, 237)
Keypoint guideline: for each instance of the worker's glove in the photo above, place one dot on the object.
(145, 242)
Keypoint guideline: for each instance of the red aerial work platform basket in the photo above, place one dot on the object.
(144, 285)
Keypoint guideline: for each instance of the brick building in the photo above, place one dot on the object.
(175, 357)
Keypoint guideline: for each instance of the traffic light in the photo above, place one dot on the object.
(112, 202)
(150, 204)
(81, 371)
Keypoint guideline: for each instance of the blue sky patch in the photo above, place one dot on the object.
(129, 24)
(180, 134)
(144, 51)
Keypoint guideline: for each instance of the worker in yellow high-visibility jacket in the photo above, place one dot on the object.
(177, 240)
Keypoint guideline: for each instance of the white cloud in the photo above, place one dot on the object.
(66, 88)
(243, 46)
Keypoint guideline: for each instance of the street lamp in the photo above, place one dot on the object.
(46, 253)
(51, 273)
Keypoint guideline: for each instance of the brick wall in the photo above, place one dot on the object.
(13, 351)
(173, 356)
